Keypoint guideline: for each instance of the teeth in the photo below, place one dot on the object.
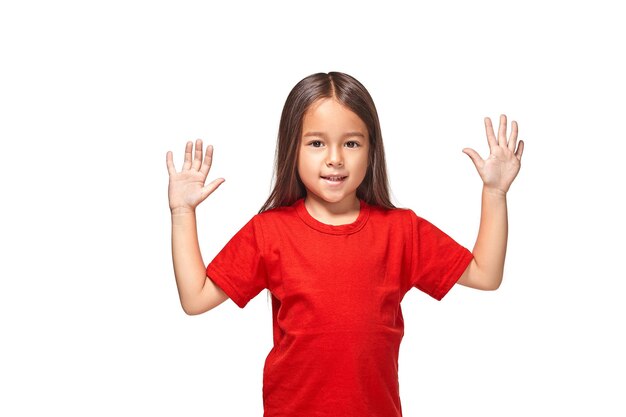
(334, 178)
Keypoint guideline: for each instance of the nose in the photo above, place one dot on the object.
(334, 157)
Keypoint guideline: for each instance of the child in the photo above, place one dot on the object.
(334, 252)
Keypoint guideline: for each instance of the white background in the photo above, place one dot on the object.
(92, 96)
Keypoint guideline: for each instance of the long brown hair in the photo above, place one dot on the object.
(351, 93)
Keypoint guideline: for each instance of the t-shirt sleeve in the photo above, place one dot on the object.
(238, 269)
(437, 260)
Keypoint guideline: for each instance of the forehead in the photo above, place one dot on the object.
(330, 116)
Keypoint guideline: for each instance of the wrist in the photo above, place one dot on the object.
(182, 211)
(495, 192)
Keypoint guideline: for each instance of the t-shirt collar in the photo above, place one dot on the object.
(342, 229)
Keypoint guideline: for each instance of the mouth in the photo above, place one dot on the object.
(335, 179)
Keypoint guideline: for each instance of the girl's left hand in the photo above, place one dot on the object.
(500, 169)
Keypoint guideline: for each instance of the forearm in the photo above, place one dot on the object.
(486, 271)
(497, 173)
(189, 268)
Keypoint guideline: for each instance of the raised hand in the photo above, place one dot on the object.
(186, 188)
(501, 167)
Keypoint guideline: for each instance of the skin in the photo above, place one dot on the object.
(335, 141)
(497, 173)
(186, 190)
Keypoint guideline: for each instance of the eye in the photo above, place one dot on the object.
(352, 144)
(316, 143)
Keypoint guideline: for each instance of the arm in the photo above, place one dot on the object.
(196, 291)
(186, 190)
(497, 172)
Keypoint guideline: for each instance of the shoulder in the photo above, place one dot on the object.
(275, 213)
(394, 214)
(404, 218)
(400, 220)
(275, 219)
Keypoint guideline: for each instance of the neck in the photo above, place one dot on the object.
(342, 212)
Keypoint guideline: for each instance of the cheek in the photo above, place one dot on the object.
(300, 161)
(303, 165)
(363, 165)
(299, 158)
(306, 160)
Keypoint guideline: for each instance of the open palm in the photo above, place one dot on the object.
(501, 167)
(186, 188)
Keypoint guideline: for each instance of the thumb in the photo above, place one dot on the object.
(208, 189)
(476, 159)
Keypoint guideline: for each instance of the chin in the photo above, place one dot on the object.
(334, 199)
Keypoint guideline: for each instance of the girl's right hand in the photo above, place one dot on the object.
(186, 188)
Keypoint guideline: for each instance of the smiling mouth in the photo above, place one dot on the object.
(335, 178)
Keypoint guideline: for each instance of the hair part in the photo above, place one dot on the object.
(348, 91)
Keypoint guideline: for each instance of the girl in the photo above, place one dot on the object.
(335, 254)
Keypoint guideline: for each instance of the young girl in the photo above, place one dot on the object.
(334, 252)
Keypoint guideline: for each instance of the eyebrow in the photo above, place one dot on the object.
(323, 135)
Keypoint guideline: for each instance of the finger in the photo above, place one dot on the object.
(491, 137)
(476, 159)
(197, 160)
(513, 138)
(171, 170)
(520, 150)
(208, 160)
(502, 131)
(208, 189)
(188, 149)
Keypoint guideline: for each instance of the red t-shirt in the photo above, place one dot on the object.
(336, 302)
